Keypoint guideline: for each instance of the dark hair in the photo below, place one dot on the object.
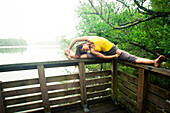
(78, 50)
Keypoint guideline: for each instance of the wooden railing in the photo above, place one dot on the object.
(53, 93)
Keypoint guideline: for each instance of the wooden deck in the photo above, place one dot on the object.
(71, 93)
(100, 107)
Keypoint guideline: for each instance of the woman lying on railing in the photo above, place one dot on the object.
(102, 48)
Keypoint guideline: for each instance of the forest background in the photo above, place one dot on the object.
(140, 27)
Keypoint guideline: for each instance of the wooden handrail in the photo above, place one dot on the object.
(63, 63)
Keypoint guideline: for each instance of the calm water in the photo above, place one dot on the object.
(27, 54)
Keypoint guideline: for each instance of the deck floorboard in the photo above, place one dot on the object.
(105, 107)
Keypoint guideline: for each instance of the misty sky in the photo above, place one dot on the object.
(35, 20)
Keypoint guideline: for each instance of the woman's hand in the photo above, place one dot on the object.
(67, 53)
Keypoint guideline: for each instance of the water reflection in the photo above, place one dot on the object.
(13, 50)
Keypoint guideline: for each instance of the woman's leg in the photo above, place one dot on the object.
(157, 62)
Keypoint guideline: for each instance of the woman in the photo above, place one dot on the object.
(100, 47)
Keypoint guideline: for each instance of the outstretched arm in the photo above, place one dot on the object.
(67, 52)
(85, 38)
(98, 54)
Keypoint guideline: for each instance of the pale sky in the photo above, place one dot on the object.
(35, 20)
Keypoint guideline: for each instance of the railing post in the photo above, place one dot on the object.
(142, 90)
(2, 107)
(44, 92)
(114, 79)
(83, 92)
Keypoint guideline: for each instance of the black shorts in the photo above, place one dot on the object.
(124, 55)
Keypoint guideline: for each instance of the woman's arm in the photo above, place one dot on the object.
(85, 38)
(98, 54)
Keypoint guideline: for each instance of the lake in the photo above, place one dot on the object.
(27, 54)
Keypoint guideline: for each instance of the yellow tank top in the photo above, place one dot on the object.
(101, 44)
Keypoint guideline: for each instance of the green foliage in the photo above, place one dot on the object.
(148, 39)
(13, 42)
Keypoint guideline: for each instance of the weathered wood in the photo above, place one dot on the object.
(128, 77)
(19, 83)
(21, 92)
(124, 103)
(163, 93)
(49, 64)
(128, 85)
(19, 100)
(98, 73)
(60, 78)
(127, 99)
(2, 106)
(98, 87)
(24, 107)
(44, 91)
(159, 102)
(114, 79)
(127, 92)
(98, 80)
(142, 89)
(163, 71)
(65, 100)
(154, 109)
(82, 84)
(98, 94)
(38, 97)
(63, 86)
(64, 93)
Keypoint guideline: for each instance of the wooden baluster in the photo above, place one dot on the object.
(142, 90)
(114, 79)
(2, 107)
(44, 92)
(82, 79)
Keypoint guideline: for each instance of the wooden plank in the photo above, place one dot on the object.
(142, 89)
(64, 93)
(63, 86)
(163, 93)
(82, 84)
(128, 77)
(98, 73)
(158, 101)
(128, 85)
(127, 99)
(49, 64)
(21, 92)
(20, 83)
(62, 78)
(125, 104)
(2, 105)
(65, 100)
(98, 94)
(44, 91)
(76, 76)
(37, 97)
(162, 71)
(98, 80)
(98, 87)
(99, 100)
(114, 80)
(24, 107)
(154, 109)
(127, 92)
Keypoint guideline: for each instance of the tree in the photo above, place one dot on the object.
(141, 31)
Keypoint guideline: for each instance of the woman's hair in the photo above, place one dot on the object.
(78, 50)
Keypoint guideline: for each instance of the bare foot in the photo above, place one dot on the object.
(159, 60)
(118, 52)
